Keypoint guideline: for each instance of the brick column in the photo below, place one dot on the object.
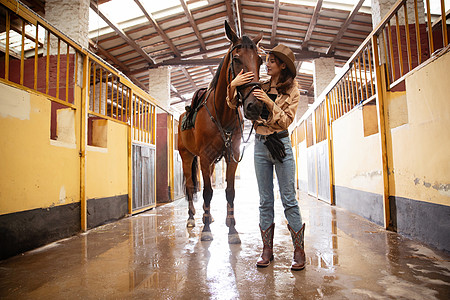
(159, 85)
(324, 72)
(71, 17)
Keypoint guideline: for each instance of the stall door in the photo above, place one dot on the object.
(143, 177)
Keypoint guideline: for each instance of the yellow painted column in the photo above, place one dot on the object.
(381, 88)
(83, 142)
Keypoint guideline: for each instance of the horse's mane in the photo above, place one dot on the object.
(246, 42)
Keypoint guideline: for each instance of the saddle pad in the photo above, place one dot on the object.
(188, 120)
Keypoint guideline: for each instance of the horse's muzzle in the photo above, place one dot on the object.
(252, 108)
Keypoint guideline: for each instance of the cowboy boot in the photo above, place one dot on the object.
(267, 254)
(298, 262)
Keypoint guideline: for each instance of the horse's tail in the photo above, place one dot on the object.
(194, 172)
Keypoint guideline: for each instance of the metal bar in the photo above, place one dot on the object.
(391, 46)
(150, 108)
(36, 56)
(399, 46)
(345, 90)
(430, 32)
(353, 89)
(365, 74)
(47, 71)
(8, 26)
(408, 38)
(382, 128)
(22, 53)
(94, 79)
(67, 74)
(372, 88)
(385, 53)
(419, 45)
(106, 92)
(100, 92)
(121, 102)
(444, 23)
(360, 78)
(76, 69)
(57, 67)
(117, 97)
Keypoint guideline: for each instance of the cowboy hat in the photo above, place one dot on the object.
(286, 55)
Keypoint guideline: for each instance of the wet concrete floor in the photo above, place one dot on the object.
(154, 256)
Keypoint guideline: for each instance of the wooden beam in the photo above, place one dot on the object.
(230, 14)
(344, 27)
(191, 20)
(276, 10)
(174, 90)
(158, 29)
(312, 24)
(240, 20)
(194, 26)
(188, 77)
(121, 33)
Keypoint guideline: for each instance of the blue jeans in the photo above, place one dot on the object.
(285, 171)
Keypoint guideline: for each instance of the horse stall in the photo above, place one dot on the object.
(144, 154)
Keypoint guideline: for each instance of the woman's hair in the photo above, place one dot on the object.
(285, 80)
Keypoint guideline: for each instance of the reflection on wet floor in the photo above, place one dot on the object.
(154, 256)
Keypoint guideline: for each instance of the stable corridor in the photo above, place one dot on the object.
(153, 255)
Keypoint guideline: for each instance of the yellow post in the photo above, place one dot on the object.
(84, 99)
(381, 87)
(170, 153)
(130, 161)
(330, 150)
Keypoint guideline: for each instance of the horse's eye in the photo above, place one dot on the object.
(237, 60)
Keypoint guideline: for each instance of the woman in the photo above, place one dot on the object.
(280, 96)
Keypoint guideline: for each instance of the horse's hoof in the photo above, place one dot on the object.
(190, 223)
(234, 239)
(206, 236)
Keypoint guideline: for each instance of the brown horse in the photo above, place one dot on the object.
(218, 130)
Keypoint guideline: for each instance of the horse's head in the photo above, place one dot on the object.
(244, 56)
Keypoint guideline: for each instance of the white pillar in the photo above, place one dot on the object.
(324, 72)
(380, 9)
(70, 17)
(159, 85)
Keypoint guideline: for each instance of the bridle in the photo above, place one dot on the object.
(253, 85)
(228, 134)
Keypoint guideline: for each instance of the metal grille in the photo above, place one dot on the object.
(143, 177)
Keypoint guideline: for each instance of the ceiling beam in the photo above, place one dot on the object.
(123, 67)
(121, 33)
(174, 90)
(240, 20)
(188, 77)
(312, 24)
(190, 18)
(344, 27)
(230, 14)
(276, 10)
(194, 26)
(158, 29)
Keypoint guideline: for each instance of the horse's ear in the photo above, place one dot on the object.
(258, 38)
(230, 33)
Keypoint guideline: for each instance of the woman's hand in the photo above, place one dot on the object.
(242, 78)
(262, 96)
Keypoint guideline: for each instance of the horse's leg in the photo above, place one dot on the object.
(207, 196)
(188, 161)
(233, 235)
